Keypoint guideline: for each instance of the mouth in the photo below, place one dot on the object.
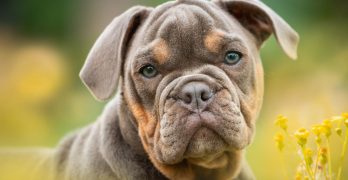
(204, 142)
(215, 161)
(201, 138)
(206, 149)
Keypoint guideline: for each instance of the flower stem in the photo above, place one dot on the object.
(316, 161)
(343, 153)
(309, 171)
(284, 166)
(291, 142)
(325, 173)
(329, 158)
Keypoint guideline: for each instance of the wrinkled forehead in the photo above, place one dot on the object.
(188, 27)
(188, 19)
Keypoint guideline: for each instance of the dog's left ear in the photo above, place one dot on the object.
(105, 60)
(262, 21)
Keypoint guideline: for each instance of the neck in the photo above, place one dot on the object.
(129, 127)
(121, 147)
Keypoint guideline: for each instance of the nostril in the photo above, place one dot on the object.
(187, 98)
(206, 95)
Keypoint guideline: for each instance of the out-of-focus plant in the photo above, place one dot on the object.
(316, 162)
(32, 74)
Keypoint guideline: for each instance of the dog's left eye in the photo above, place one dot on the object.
(148, 71)
(232, 57)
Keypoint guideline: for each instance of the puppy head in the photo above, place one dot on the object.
(192, 78)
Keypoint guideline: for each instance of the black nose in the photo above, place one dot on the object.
(196, 94)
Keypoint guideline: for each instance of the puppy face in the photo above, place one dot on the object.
(196, 97)
(193, 80)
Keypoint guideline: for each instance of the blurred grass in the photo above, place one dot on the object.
(43, 45)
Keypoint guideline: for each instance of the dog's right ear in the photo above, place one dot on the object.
(262, 21)
(105, 60)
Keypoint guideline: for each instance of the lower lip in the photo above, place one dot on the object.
(217, 161)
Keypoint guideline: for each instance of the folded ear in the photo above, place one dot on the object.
(262, 21)
(102, 68)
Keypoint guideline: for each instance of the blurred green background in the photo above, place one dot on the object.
(43, 45)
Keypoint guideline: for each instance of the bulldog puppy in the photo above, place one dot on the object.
(189, 83)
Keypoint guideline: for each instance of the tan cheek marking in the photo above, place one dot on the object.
(151, 126)
(180, 171)
(161, 51)
(145, 119)
(138, 112)
(213, 41)
(148, 125)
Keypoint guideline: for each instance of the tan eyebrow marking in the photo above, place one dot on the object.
(161, 51)
(213, 41)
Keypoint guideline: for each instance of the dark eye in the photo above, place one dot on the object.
(148, 71)
(233, 57)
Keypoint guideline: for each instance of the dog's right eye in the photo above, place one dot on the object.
(148, 71)
(233, 57)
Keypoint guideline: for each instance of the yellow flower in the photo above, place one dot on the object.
(302, 133)
(326, 127)
(317, 129)
(298, 176)
(338, 131)
(302, 136)
(337, 119)
(307, 153)
(327, 122)
(282, 122)
(323, 156)
(318, 140)
(279, 139)
(345, 116)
